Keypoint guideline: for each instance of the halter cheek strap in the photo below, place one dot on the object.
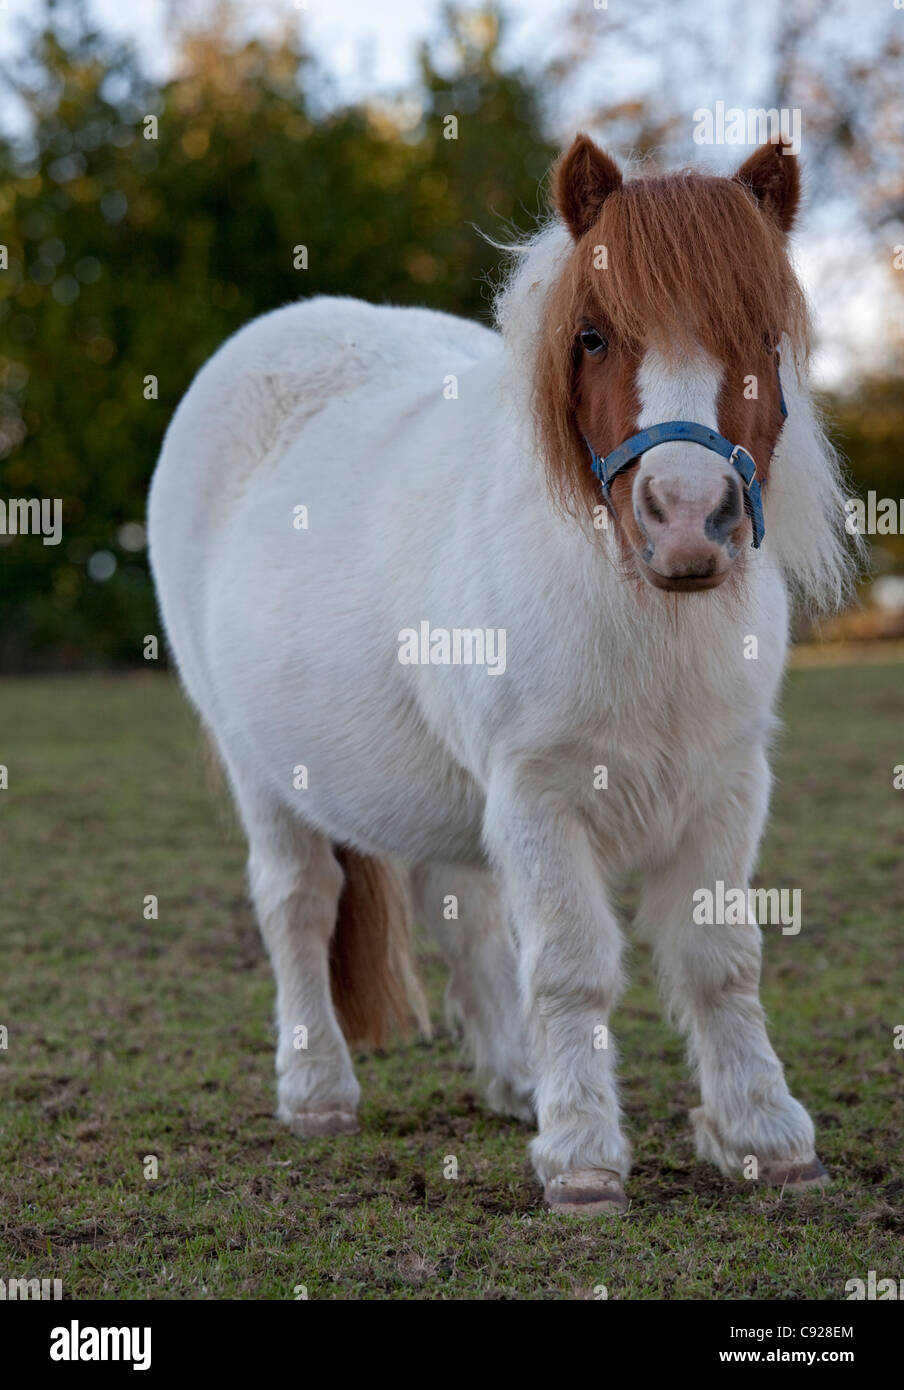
(622, 457)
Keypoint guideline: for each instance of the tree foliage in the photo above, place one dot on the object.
(136, 246)
(145, 221)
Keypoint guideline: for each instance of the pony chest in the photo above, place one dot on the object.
(644, 770)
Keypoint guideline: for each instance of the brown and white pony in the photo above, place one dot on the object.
(420, 635)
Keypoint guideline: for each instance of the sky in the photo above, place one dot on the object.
(368, 44)
(370, 48)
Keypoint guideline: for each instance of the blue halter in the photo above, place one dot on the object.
(627, 453)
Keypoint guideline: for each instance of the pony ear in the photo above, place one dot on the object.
(773, 176)
(583, 180)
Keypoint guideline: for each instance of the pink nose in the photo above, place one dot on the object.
(688, 528)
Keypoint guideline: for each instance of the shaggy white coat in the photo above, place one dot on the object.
(427, 508)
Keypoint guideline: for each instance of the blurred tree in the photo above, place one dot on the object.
(72, 414)
(145, 224)
(840, 65)
(867, 426)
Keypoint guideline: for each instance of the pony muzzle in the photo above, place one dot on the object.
(673, 506)
(689, 524)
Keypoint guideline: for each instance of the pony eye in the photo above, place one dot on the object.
(769, 343)
(593, 343)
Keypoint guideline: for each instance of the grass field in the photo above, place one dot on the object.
(129, 1038)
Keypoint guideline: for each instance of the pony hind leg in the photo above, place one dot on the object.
(296, 882)
(462, 910)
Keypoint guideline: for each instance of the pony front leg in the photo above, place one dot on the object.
(710, 974)
(569, 977)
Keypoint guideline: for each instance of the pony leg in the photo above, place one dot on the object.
(295, 885)
(709, 975)
(482, 993)
(569, 975)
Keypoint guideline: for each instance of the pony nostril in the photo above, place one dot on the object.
(723, 519)
(651, 503)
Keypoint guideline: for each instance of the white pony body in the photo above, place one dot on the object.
(426, 509)
(423, 508)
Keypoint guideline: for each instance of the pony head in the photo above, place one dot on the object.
(676, 301)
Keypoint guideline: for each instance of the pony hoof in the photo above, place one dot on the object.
(587, 1192)
(794, 1177)
(310, 1123)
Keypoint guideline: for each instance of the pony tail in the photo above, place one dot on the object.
(373, 978)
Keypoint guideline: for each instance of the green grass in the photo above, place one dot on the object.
(130, 1038)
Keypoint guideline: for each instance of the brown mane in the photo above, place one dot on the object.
(691, 260)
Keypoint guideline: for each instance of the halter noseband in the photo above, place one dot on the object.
(625, 454)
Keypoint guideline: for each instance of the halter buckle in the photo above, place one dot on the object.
(733, 459)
